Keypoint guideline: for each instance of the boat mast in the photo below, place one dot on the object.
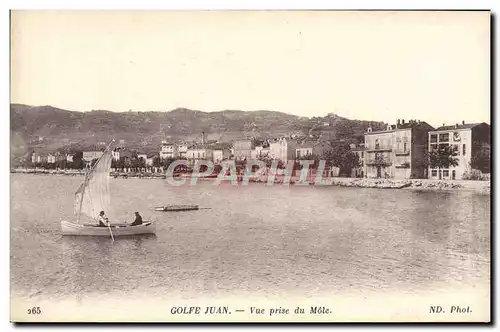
(87, 178)
(83, 193)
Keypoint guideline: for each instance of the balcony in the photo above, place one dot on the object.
(402, 152)
(379, 162)
(379, 149)
(406, 164)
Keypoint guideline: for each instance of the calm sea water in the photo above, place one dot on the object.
(271, 240)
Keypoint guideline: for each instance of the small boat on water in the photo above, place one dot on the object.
(69, 228)
(176, 208)
(93, 196)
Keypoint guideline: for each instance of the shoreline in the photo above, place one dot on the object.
(481, 187)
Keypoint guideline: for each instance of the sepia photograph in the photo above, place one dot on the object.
(301, 166)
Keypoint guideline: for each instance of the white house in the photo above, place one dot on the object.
(467, 139)
(221, 154)
(51, 159)
(283, 149)
(167, 150)
(116, 154)
(199, 153)
(150, 158)
(182, 150)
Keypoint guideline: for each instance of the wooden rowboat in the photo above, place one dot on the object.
(70, 228)
(175, 208)
(93, 198)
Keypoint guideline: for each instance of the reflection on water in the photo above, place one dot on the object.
(274, 240)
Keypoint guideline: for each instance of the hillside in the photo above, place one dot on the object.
(50, 128)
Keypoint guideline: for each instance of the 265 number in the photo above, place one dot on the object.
(34, 311)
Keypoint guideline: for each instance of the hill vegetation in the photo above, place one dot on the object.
(49, 128)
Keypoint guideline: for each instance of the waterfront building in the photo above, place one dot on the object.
(397, 152)
(199, 152)
(221, 154)
(243, 149)
(310, 148)
(468, 140)
(259, 152)
(51, 159)
(283, 149)
(121, 153)
(359, 150)
(182, 150)
(304, 150)
(167, 150)
(150, 158)
(116, 154)
(38, 158)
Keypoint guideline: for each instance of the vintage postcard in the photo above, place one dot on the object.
(250, 166)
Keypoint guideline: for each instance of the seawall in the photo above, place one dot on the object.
(483, 187)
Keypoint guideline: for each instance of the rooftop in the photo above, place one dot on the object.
(200, 146)
(401, 125)
(459, 126)
(410, 125)
(308, 143)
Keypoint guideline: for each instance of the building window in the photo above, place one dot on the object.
(404, 147)
(377, 144)
(446, 173)
(463, 150)
(444, 137)
(434, 147)
(434, 172)
(456, 149)
(362, 154)
(434, 138)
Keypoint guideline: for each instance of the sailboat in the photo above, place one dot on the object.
(93, 196)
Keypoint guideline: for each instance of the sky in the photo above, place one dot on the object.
(381, 66)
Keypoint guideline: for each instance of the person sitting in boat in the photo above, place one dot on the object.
(138, 220)
(103, 220)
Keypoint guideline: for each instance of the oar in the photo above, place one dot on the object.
(110, 232)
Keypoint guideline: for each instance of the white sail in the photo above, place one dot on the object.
(93, 194)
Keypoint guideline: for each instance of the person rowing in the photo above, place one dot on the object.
(138, 220)
(103, 219)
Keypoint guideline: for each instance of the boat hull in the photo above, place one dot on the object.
(70, 228)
